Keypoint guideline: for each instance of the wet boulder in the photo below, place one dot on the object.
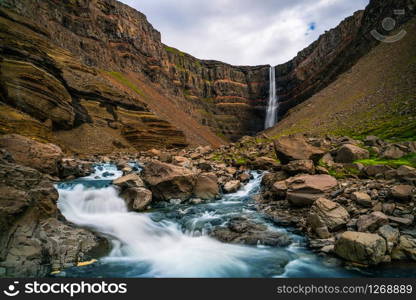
(168, 181)
(206, 186)
(137, 198)
(362, 248)
(129, 181)
(232, 186)
(265, 163)
(240, 230)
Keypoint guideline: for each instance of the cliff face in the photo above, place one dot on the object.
(336, 51)
(109, 35)
(109, 72)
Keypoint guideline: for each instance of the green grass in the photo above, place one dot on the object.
(126, 82)
(408, 160)
(174, 51)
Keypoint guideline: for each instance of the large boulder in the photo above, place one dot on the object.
(372, 221)
(390, 234)
(232, 186)
(207, 187)
(350, 153)
(265, 163)
(137, 198)
(300, 167)
(303, 190)
(168, 181)
(406, 249)
(240, 230)
(362, 248)
(129, 181)
(403, 192)
(31, 153)
(392, 152)
(330, 213)
(363, 199)
(296, 148)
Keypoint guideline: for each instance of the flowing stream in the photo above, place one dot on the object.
(273, 106)
(173, 241)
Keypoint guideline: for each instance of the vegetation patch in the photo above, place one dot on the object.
(408, 160)
(126, 82)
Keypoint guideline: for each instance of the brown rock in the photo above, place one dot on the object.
(363, 199)
(232, 186)
(296, 148)
(168, 181)
(206, 186)
(390, 234)
(392, 152)
(265, 163)
(137, 198)
(350, 153)
(129, 181)
(372, 222)
(363, 248)
(332, 214)
(303, 190)
(300, 166)
(28, 152)
(406, 249)
(403, 192)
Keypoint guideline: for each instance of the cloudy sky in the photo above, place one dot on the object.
(244, 32)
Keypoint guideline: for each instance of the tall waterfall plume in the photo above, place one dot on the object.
(273, 106)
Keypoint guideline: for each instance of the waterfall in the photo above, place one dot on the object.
(272, 108)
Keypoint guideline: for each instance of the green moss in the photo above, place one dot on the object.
(126, 82)
(174, 51)
(408, 160)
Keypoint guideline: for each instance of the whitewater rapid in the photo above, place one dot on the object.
(173, 241)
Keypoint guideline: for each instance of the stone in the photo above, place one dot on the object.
(154, 152)
(181, 161)
(303, 190)
(296, 148)
(328, 160)
(30, 153)
(240, 230)
(375, 170)
(392, 152)
(372, 221)
(168, 181)
(244, 177)
(72, 167)
(362, 248)
(363, 199)
(207, 187)
(406, 173)
(401, 221)
(332, 214)
(300, 166)
(137, 198)
(350, 153)
(390, 234)
(403, 192)
(265, 163)
(406, 249)
(129, 181)
(232, 186)
(230, 170)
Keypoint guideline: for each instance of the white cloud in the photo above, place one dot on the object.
(244, 32)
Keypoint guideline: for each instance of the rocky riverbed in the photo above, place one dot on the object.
(351, 202)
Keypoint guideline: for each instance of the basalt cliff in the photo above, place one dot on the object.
(94, 77)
